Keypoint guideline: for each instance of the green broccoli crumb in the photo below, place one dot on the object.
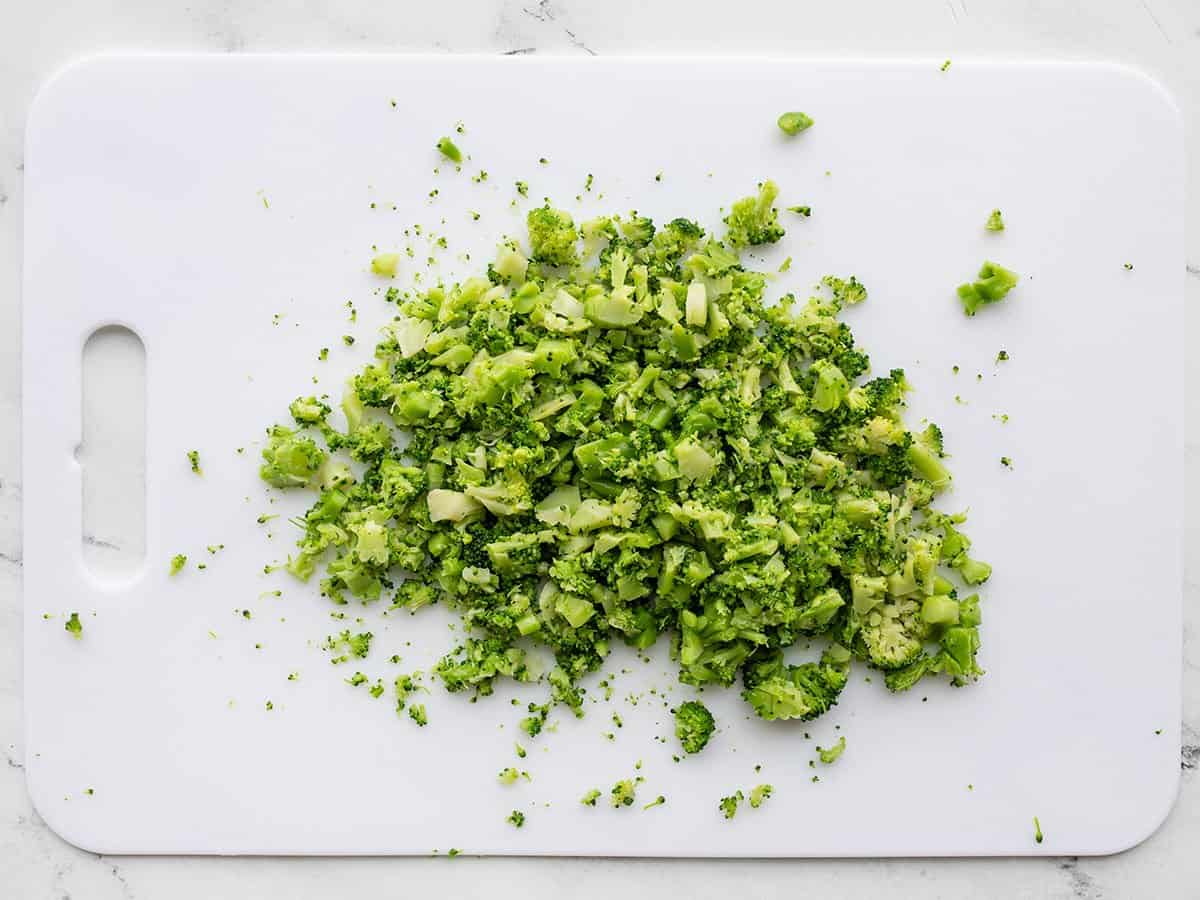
(450, 150)
(178, 561)
(624, 792)
(830, 755)
(194, 459)
(729, 805)
(657, 801)
(416, 712)
(992, 286)
(1006, 462)
(805, 211)
(945, 65)
(1002, 356)
(74, 626)
(385, 264)
(994, 221)
(794, 122)
(760, 794)
(1037, 830)
(590, 798)
(516, 818)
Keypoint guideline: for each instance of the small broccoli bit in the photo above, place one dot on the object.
(829, 755)
(386, 264)
(729, 805)
(759, 795)
(794, 122)
(516, 818)
(1037, 830)
(624, 792)
(657, 801)
(449, 150)
(509, 775)
(992, 286)
(178, 561)
(590, 798)
(994, 221)
(416, 712)
(194, 460)
(694, 725)
(754, 220)
(615, 433)
(74, 626)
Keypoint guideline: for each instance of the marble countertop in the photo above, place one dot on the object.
(1159, 36)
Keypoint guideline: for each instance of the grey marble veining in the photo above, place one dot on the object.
(1161, 36)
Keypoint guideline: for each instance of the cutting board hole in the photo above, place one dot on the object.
(112, 454)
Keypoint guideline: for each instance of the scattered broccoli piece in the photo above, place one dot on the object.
(450, 150)
(694, 725)
(994, 221)
(657, 801)
(416, 712)
(516, 818)
(624, 792)
(829, 755)
(759, 795)
(805, 211)
(794, 122)
(1037, 830)
(992, 286)
(754, 220)
(509, 775)
(178, 561)
(552, 236)
(290, 461)
(385, 264)
(1002, 356)
(729, 805)
(74, 626)
(194, 459)
(590, 798)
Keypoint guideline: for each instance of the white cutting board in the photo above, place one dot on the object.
(145, 185)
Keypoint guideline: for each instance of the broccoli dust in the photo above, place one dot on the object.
(615, 434)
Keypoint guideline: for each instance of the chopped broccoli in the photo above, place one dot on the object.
(754, 220)
(829, 755)
(194, 459)
(994, 221)
(416, 712)
(729, 805)
(385, 264)
(615, 433)
(992, 286)
(590, 798)
(694, 725)
(624, 792)
(760, 794)
(794, 122)
(74, 626)
(178, 561)
(450, 150)
(1037, 830)
(516, 818)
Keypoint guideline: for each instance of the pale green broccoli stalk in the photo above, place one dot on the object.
(830, 755)
(694, 725)
(449, 150)
(794, 122)
(178, 561)
(729, 805)
(290, 461)
(74, 627)
(759, 795)
(995, 221)
(754, 220)
(386, 264)
(992, 286)
(552, 236)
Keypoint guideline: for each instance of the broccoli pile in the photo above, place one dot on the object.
(614, 436)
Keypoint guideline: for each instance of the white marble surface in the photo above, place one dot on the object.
(1160, 36)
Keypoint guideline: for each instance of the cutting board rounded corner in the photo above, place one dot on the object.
(86, 836)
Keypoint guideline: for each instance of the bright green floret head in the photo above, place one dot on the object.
(694, 725)
(992, 286)
(552, 236)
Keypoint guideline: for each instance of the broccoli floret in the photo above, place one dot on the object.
(729, 805)
(416, 712)
(754, 220)
(194, 460)
(552, 236)
(992, 286)
(694, 725)
(590, 798)
(516, 819)
(894, 633)
(794, 122)
(994, 221)
(178, 561)
(74, 626)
